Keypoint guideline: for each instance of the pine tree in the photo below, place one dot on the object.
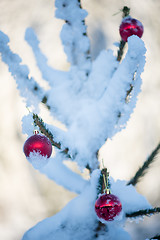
(94, 101)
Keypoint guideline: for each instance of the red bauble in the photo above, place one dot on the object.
(38, 143)
(129, 27)
(108, 206)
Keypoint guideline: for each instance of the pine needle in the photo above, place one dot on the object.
(155, 237)
(42, 126)
(141, 213)
(141, 172)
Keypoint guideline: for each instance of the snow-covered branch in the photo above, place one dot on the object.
(54, 168)
(73, 34)
(157, 237)
(48, 73)
(142, 170)
(39, 122)
(144, 212)
(78, 218)
(117, 109)
(28, 87)
(62, 175)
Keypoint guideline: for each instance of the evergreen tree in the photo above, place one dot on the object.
(94, 101)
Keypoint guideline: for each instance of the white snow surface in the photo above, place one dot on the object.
(73, 35)
(62, 175)
(37, 160)
(78, 219)
(20, 72)
(58, 172)
(48, 73)
(53, 168)
(84, 106)
(87, 105)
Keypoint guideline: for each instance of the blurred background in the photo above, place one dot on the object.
(26, 196)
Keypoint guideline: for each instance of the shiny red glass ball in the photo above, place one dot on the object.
(129, 27)
(108, 206)
(38, 143)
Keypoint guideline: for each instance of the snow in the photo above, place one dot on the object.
(100, 101)
(78, 218)
(55, 170)
(131, 200)
(98, 82)
(20, 72)
(76, 43)
(90, 100)
(37, 160)
(48, 73)
(62, 175)
(83, 105)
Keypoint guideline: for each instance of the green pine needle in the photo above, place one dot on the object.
(141, 172)
(155, 237)
(141, 213)
(42, 126)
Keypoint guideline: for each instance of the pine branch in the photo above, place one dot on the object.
(44, 101)
(26, 85)
(122, 44)
(101, 184)
(126, 11)
(101, 227)
(120, 50)
(76, 42)
(155, 237)
(57, 171)
(48, 73)
(39, 122)
(133, 86)
(141, 172)
(141, 213)
(100, 190)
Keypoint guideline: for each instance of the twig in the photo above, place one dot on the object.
(103, 180)
(146, 212)
(39, 122)
(120, 50)
(126, 12)
(101, 227)
(20, 72)
(141, 172)
(76, 56)
(155, 237)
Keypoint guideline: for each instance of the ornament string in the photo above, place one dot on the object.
(104, 179)
(35, 127)
(105, 185)
(106, 182)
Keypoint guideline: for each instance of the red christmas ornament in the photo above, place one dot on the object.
(108, 206)
(38, 143)
(129, 27)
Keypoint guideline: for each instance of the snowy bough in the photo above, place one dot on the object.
(94, 101)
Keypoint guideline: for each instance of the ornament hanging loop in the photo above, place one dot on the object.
(35, 132)
(126, 11)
